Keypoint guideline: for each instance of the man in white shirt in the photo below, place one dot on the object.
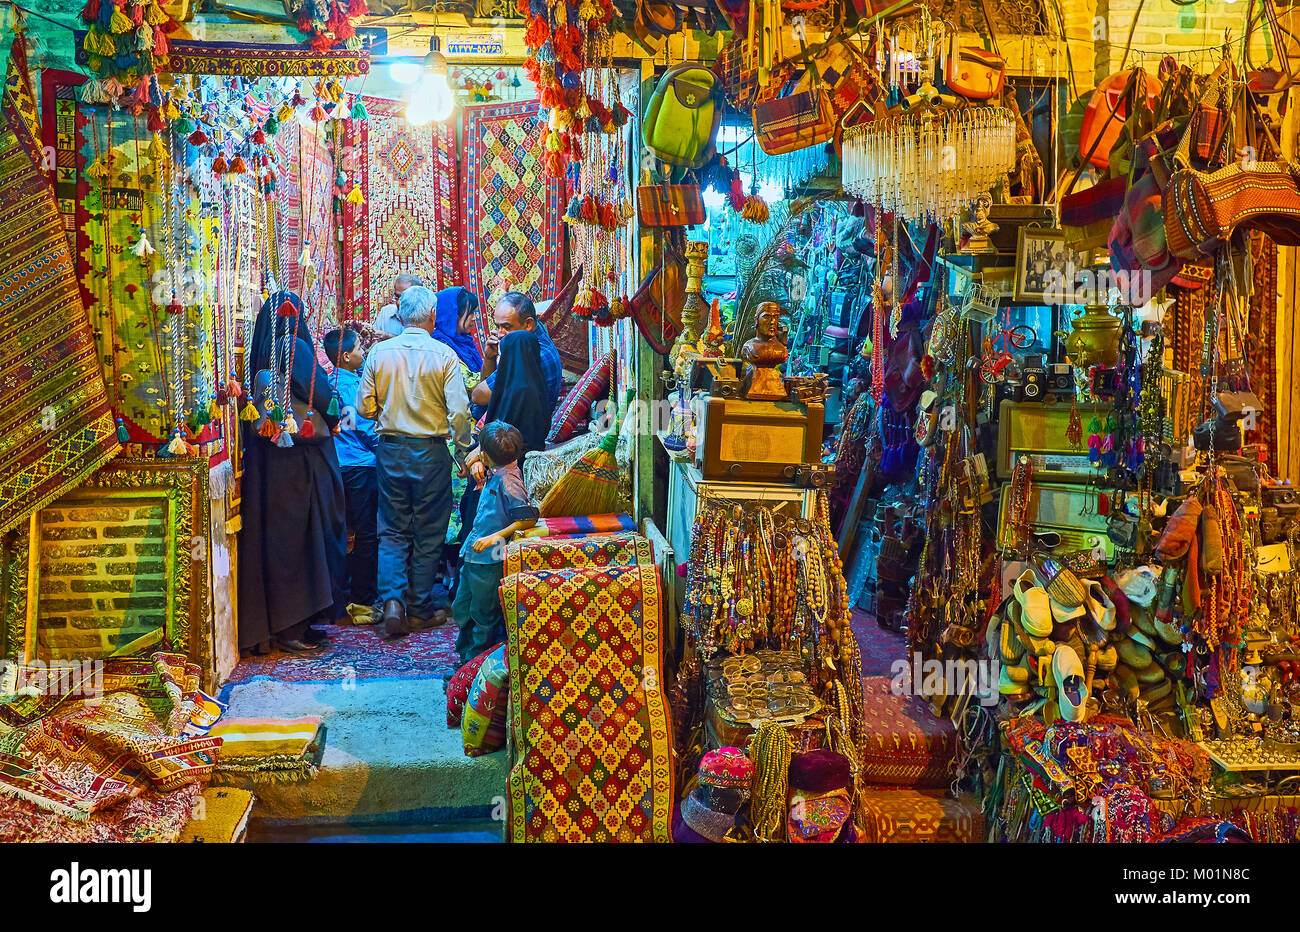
(388, 319)
(412, 388)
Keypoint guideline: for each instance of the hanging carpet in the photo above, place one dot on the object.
(55, 422)
(593, 757)
(410, 218)
(306, 204)
(513, 231)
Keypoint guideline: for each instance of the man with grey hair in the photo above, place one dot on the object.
(388, 321)
(412, 388)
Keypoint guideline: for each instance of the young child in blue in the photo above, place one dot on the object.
(355, 444)
(503, 511)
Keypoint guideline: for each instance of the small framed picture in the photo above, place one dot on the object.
(1046, 266)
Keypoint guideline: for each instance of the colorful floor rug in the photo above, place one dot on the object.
(513, 233)
(880, 649)
(55, 422)
(77, 756)
(587, 710)
(149, 817)
(359, 653)
(306, 200)
(410, 220)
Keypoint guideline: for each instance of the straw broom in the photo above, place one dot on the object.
(590, 487)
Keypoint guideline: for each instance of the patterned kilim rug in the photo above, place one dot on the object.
(268, 749)
(410, 219)
(77, 753)
(587, 710)
(306, 199)
(513, 232)
(55, 423)
(357, 652)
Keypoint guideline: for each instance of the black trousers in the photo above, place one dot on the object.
(361, 485)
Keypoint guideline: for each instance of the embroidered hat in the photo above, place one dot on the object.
(726, 767)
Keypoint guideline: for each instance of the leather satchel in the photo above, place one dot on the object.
(974, 73)
(670, 205)
(1107, 112)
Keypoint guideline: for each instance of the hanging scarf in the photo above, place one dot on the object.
(446, 327)
(519, 389)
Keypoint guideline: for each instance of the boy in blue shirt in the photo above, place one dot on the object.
(503, 510)
(355, 444)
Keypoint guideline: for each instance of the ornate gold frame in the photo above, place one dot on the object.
(182, 484)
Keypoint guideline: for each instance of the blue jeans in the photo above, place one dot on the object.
(414, 509)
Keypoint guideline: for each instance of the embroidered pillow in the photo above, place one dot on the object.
(571, 416)
(459, 686)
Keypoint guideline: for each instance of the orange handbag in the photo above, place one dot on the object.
(974, 73)
(787, 122)
(1106, 112)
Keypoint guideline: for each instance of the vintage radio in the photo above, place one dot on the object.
(1037, 430)
(1056, 507)
(755, 441)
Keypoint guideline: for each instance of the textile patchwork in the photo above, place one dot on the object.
(55, 420)
(908, 815)
(573, 412)
(410, 220)
(254, 60)
(582, 526)
(587, 711)
(906, 744)
(513, 233)
(79, 753)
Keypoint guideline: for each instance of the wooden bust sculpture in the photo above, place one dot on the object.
(764, 356)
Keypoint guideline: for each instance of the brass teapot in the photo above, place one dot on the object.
(1094, 338)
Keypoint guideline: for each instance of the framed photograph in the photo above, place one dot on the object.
(1046, 266)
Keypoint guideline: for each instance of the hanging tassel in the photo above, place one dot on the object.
(198, 137)
(237, 166)
(143, 248)
(220, 400)
(233, 388)
(333, 409)
(354, 196)
(90, 12)
(290, 425)
(287, 309)
(271, 126)
(160, 44)
(283, 440)
(359, 111)
(123, 435)
(174, 306)
(219, 166)
(177, 445)
(304, 260)
(285, 113)
(318, 113)
(259, 138)
(307, 430)
(574, 210)
(157, 151)
(248, 412)
(120, 22)
(144, 38)
(268, 428)
(155, 15)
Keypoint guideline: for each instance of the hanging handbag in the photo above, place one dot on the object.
(793, 114)
(974, 73)
(1107, 109)
(670, 205)
(1203, 209)
(682, 117)
(657, 301)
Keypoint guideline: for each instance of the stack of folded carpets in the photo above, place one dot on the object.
(268, 750)
(104, 761)
(588, 717)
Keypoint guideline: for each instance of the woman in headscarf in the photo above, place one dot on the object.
(520, 389)
(293, 545)
(453, 324)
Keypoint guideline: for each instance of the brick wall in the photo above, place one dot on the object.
(102, 573)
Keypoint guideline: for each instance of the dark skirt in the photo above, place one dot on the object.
(293, 542)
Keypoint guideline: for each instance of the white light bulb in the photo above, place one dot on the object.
(420, 110)
(444, 101)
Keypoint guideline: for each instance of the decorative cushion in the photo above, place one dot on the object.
(459, 686)
(907, 815)
(571, 414)
(483, 724)
(906, 744)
